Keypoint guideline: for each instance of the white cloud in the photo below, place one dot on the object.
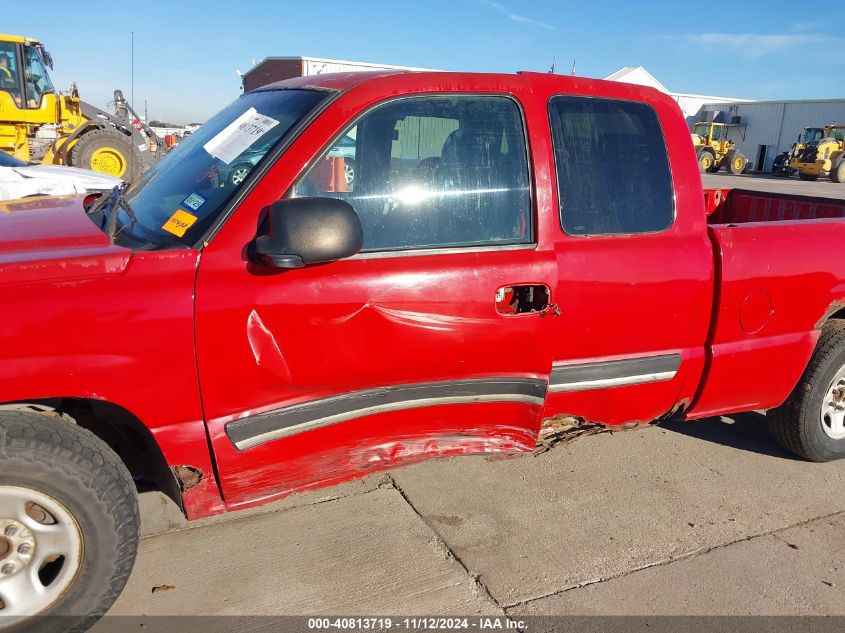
(751, 45)
(514, 17)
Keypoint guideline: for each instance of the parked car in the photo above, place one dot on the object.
(19, 179)
(514, 248)
(237, 173)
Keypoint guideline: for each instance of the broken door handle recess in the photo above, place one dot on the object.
(524, 299)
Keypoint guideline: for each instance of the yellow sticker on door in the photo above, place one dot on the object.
(179, 222)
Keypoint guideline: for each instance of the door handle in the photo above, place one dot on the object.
(524, 299)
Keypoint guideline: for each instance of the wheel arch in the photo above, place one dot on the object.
(124, 433)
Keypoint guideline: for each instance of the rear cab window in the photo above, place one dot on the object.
(612, 167)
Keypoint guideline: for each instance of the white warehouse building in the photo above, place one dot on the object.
(767, 128)
(760, 129)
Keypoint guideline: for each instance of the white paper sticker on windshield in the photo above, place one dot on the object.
(232, 140)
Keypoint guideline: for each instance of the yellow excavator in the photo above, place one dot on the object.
(823, 156)
(715, 150)
(38, 124)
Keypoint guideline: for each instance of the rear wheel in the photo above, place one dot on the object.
(68, 524)
(837, 174)
(811, 423)
(107, 151)
(736, 162)
(804, 176)
(706, 160)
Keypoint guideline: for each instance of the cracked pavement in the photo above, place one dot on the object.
(708, 517)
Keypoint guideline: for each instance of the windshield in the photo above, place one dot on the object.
(814, 134)
(7, 160)
(181, 195)
(702, 129)
(37, 80)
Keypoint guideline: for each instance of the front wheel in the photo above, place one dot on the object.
(238, 174)
(706, 161)
(811, 423)
(804, 176)
(68, 524)
(108, 151)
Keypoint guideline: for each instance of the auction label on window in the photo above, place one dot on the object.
(179, 222)
(232, 140)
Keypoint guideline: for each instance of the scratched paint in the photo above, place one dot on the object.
(331, 466)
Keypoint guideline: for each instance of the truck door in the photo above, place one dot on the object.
(429, 342)
(634, 262)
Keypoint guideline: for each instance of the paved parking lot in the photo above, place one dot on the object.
(706, 517)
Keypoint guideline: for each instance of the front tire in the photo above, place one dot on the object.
(69, 517)
(108, 151)
(811, 423)
(809, 177)
(706, 160)
(238, 174)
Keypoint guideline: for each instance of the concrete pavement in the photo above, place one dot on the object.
(705, 517)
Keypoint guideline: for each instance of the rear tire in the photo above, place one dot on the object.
(109, 152)
(736, 162)
(809, 177)
(84, 518)
(837, 174)
(809, 422)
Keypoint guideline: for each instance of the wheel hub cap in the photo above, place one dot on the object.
(833, 408)
(108, 160)
(40, 552)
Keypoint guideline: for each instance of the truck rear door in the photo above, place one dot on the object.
(634, 263)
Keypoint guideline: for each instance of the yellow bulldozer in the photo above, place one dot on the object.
(823, 156)
(38, 124)
(715, 150)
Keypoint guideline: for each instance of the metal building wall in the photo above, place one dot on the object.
(776, 124)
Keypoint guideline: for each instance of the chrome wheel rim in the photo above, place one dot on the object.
(833, 407)
(348, 173)
(40, 552)
(239, 175)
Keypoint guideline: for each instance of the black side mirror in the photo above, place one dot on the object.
(302, 231)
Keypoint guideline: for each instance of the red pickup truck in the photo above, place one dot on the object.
(508, 248)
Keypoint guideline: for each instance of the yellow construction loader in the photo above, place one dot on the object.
(780, 166)
(39, 124)
(822, 156)
(715, 150)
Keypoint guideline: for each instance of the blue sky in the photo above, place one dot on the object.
(186, 53)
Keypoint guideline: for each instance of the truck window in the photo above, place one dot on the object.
(612, 169)
(427, 172)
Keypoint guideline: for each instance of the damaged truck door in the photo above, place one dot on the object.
(631, 334)
(432, 340)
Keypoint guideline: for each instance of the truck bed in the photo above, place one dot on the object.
(779, 272)
(740, 206)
